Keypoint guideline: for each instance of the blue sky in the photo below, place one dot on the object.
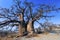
(56, 19)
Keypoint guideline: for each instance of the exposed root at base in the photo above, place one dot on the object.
(31, 35)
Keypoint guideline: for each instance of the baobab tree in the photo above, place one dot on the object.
(25, 14)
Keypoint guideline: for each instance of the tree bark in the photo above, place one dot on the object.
(20, 28)
(20, 31)
(30, 27)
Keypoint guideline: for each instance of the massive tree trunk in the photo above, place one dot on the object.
(30, 27)
(20, 31)
(20, 28)
(25, 26)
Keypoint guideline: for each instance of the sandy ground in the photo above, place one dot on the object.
(44, 37)
(49, 36)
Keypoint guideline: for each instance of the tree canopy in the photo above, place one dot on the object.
(24, 13)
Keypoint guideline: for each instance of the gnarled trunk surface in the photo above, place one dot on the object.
(20, 31)
(30, 27)
(20, 28)
(25, 26)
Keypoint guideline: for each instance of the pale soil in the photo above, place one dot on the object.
(49, 36)
(44, 37)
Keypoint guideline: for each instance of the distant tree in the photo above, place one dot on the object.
(24, 14)
(48, 26)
